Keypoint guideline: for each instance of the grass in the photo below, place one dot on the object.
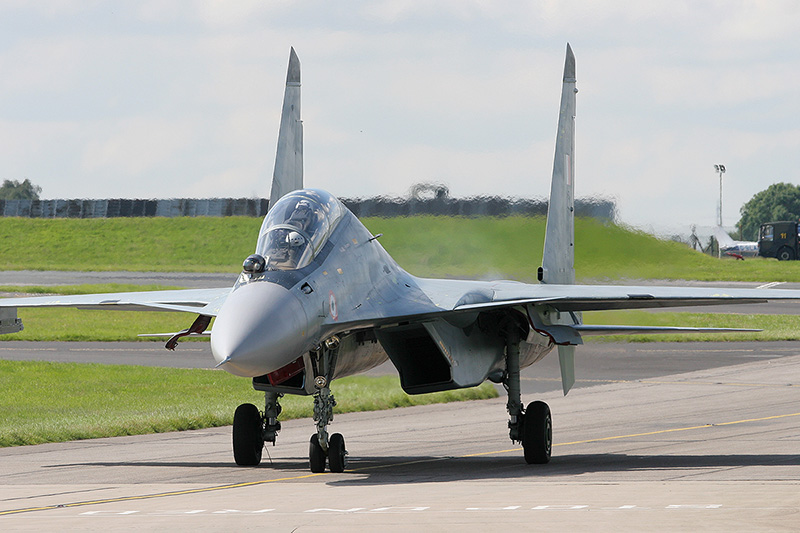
(512, 247)
(509, 247)
(183, 244)
(56, 402)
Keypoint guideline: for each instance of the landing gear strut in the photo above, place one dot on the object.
(251, 429)
(322, 446)
(532, 426)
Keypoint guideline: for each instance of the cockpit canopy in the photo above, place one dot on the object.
(297, 227)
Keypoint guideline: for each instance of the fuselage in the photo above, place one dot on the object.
(321, 273)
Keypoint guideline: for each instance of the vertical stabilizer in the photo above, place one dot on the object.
(288, 174)
(558, 263)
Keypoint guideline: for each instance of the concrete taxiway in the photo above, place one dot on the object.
(662, 436)
(713, 449)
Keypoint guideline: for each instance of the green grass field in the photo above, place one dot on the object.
(425, 245)
(56, 402)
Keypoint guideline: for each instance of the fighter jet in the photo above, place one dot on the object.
(320, 299)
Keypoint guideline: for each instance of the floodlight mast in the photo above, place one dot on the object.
(720, 169)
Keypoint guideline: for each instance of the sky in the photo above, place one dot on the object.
(164, 99)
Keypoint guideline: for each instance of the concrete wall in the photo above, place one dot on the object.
(121, 207)
(257, 207)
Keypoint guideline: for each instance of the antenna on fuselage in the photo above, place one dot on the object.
(288, 174)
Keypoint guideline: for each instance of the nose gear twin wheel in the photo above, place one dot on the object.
(336, 456)
(316, 455)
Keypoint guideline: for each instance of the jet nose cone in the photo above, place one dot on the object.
(260, 328)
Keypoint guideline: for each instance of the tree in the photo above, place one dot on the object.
(14, 190)
(779, 201)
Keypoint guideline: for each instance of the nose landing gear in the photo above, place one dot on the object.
(251, 429)
(322, 446)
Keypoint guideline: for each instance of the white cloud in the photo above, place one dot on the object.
(137, 146)
(163, 99)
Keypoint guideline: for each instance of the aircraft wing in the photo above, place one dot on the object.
(439, 298)
(566, 298)
(201, 301)
(474, 296)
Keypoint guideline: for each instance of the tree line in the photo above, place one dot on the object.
(779, 201)
(19, 190)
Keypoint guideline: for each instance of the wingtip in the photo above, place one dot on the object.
(293, 73)
(569, 65)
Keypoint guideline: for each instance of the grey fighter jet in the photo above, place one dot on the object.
(320, 299)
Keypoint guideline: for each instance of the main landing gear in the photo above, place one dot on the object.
(251, 428)
(533, 427)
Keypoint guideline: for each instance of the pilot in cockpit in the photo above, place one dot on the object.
(301, 216)
(287, 244)
(301, 219)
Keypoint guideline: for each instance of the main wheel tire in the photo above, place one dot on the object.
(537, 433)
(248, 441)
(785, 254)
(337, 455)
(316, 455)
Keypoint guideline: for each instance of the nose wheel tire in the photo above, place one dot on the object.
(337, 455)
(537, 433)
(316, 455)
(248, 441)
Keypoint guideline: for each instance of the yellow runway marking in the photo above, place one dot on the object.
(656, 382)
(366, 468)
(158, 494)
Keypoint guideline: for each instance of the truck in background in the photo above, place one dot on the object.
(779, 240)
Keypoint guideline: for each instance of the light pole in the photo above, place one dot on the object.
(720, 169)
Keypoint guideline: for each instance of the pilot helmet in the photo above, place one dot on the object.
(295, 239)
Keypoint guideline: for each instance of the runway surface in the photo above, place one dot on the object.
(717, 449)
